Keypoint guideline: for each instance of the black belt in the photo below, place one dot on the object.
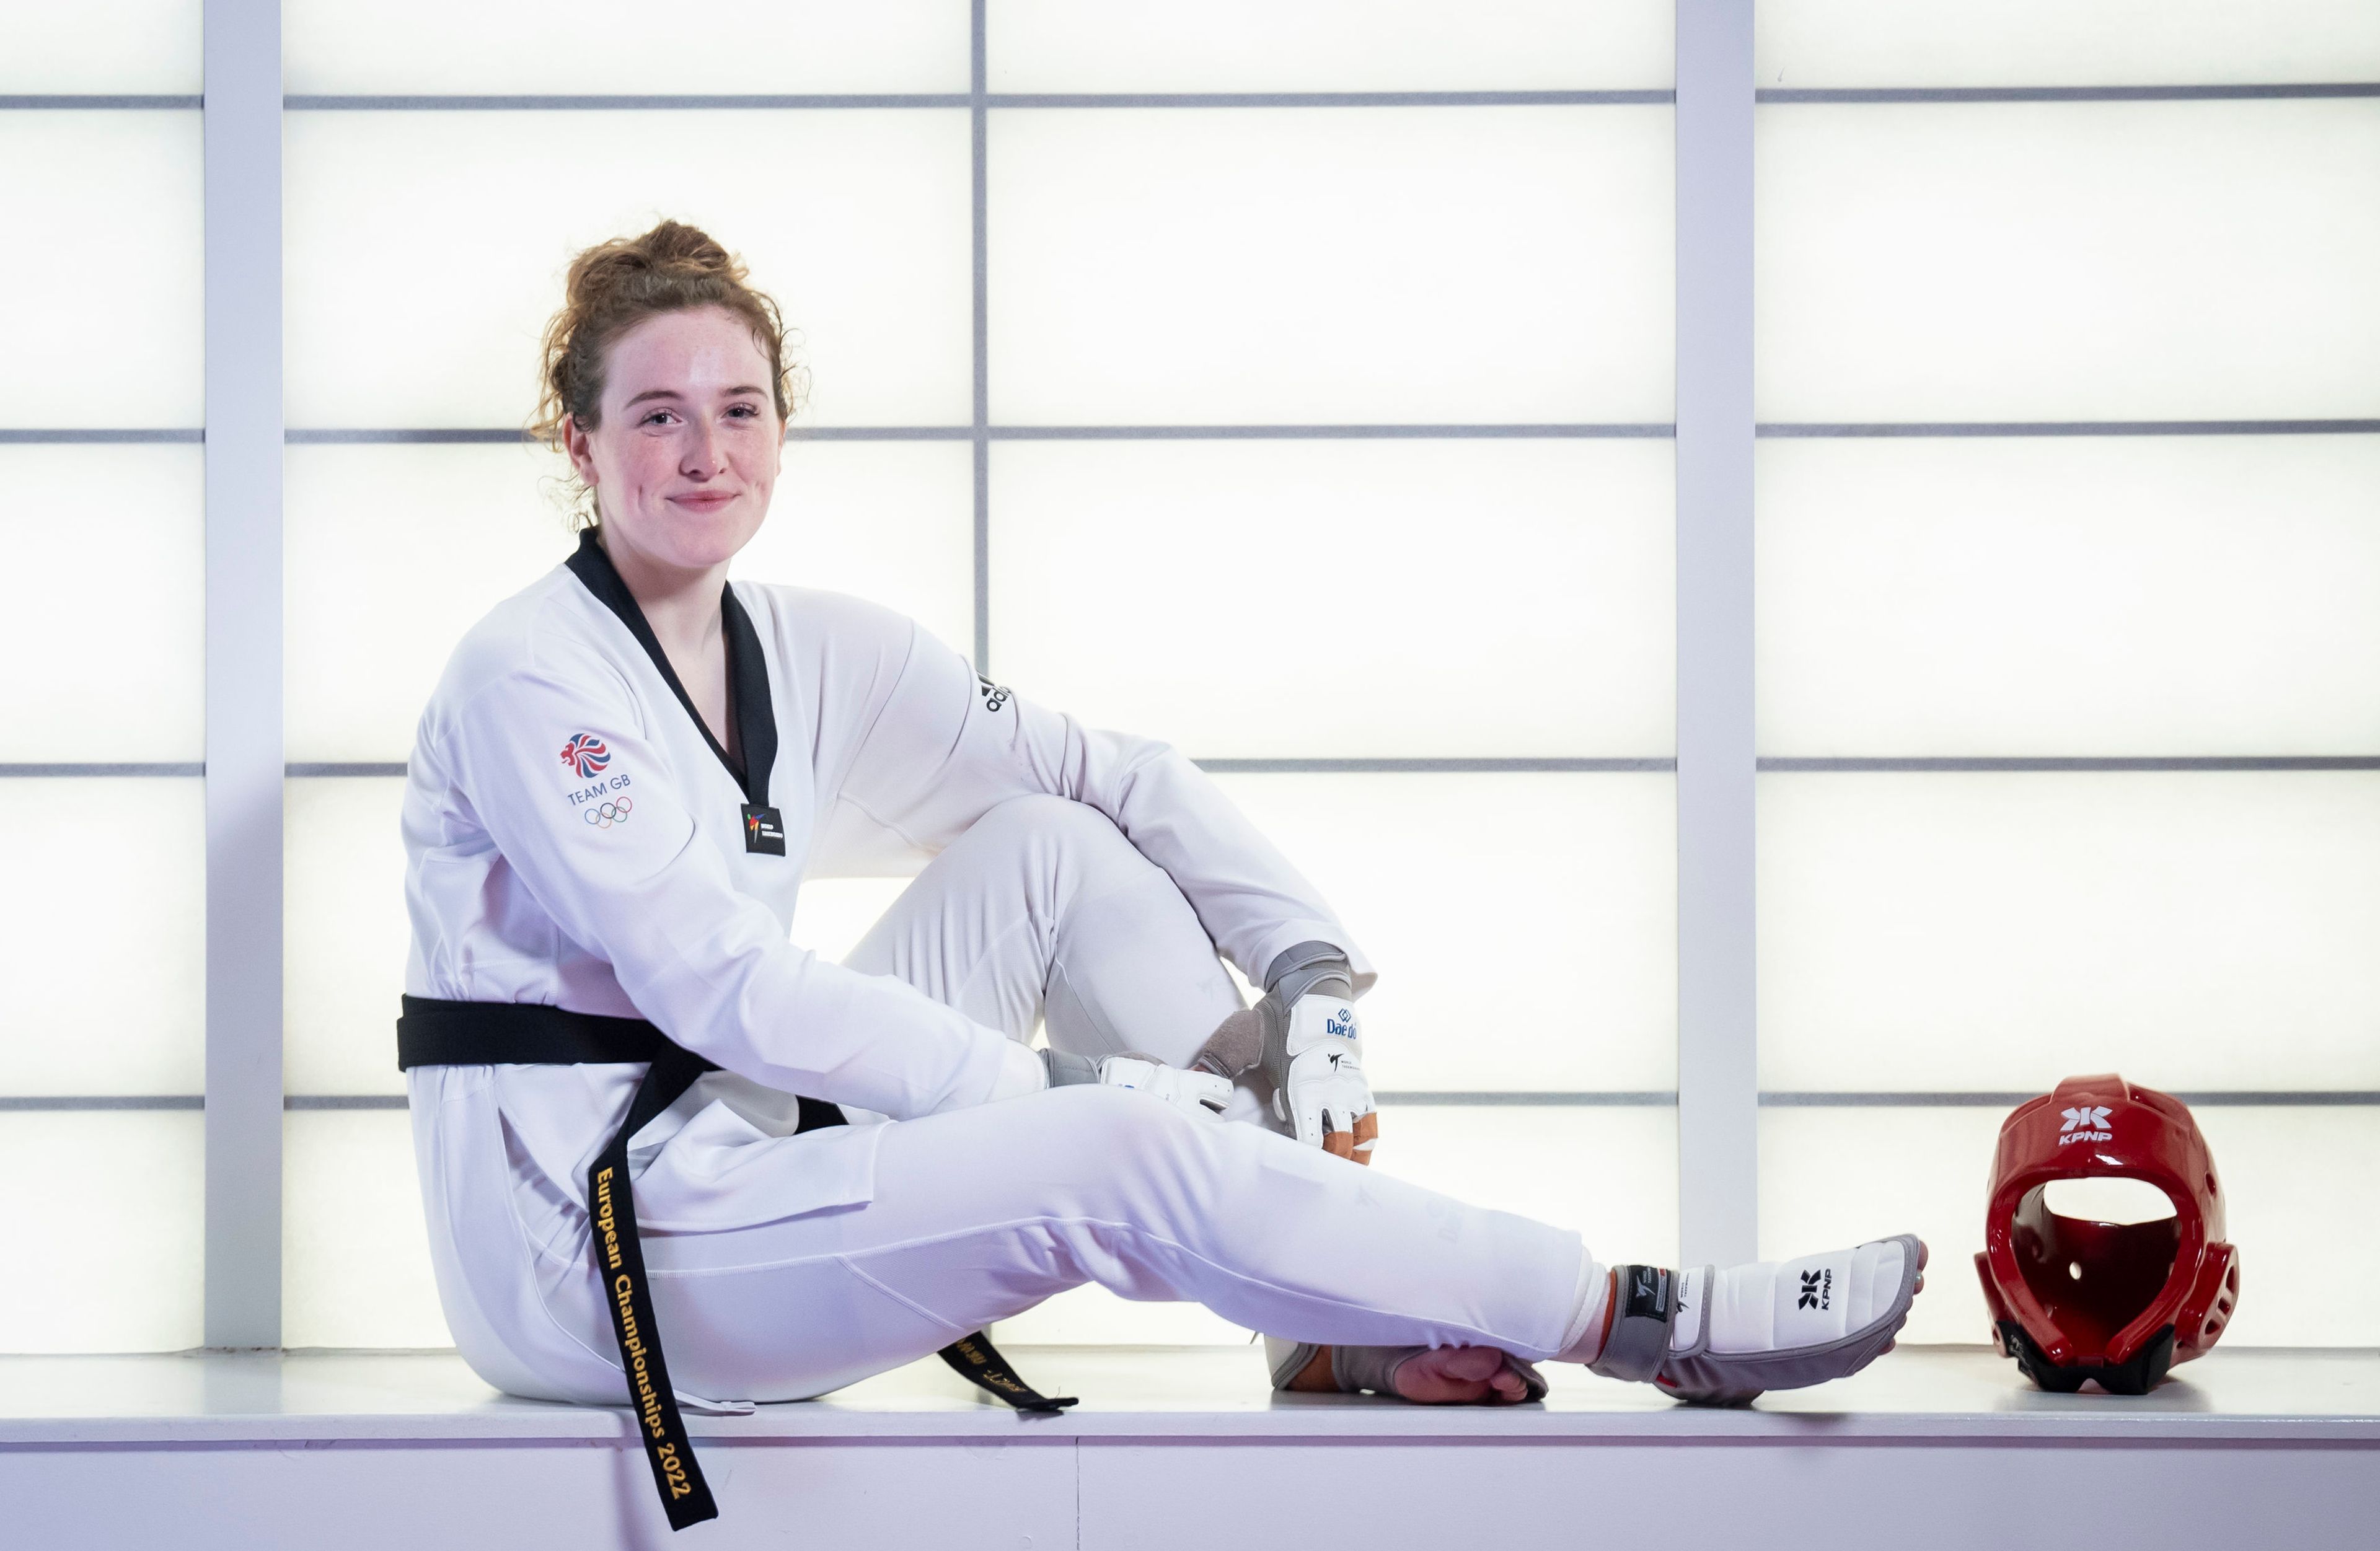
(436, 1033)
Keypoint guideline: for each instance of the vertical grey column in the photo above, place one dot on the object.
(981, 313)
(243, 306)
(1717, 1055)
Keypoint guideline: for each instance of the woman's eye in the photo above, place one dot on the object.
(746, 410)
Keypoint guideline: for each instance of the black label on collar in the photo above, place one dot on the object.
(764, 831)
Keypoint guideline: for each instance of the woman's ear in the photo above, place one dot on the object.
(582, 456)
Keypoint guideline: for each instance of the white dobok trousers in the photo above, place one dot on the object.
(1044, 912)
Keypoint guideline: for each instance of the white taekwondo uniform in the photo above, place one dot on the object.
(575, 838)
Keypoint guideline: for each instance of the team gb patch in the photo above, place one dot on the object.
(586, 753)
(601, 800)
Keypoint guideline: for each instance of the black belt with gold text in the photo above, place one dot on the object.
(434, 1033)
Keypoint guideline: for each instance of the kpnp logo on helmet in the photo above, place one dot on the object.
(2088, 1124)
(586, 753)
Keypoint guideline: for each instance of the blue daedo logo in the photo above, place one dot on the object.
(1344, 1024)
(586, 753)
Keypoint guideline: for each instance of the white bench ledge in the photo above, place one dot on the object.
(1184, 1449)
(1950, 1395)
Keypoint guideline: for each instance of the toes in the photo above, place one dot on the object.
(1473, 1361)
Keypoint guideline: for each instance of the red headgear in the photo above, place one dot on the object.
(2119, 1302)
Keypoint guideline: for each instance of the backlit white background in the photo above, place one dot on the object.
(1275, 597)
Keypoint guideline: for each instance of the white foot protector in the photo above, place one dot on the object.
(1720, 1337)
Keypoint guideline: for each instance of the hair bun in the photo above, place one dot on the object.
(671, 251)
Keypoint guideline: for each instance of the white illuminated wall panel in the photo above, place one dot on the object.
(103, 933)
(392, 554)
(610, 47)
(133, 691)
(345, 934)
(355, 1246)
(893, 521)
(101, 46)
(2064, 43)
(2298, 1182)
(855, 221)
(1330, 45)
(1176, 266)
(1607, 1173)
(2305, 1187)
(1834, 1177)
(2192, 930)
(105, 323)
(105, 1232)
(1266, 599)
(394, 551)
(1524, 925)
(2070, 596)
(2067, 261)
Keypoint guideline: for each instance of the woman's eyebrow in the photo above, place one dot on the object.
(672, 393)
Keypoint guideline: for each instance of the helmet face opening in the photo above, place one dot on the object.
(2091, 1278)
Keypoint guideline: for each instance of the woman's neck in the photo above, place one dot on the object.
(682, 606)
(683, 609)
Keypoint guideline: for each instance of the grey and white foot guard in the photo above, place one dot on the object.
(1720, 1337)
(1310, 1369)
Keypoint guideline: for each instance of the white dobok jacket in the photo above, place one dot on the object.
(575, 838)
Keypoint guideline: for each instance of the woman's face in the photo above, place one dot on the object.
(688, 449)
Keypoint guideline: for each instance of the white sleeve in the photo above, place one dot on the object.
(708, 965)
(946, 746)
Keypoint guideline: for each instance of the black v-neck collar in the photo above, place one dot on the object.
(747, 671)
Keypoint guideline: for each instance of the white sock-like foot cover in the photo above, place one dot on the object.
(1723, 1337)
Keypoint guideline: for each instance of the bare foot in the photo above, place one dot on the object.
(1451, 1376)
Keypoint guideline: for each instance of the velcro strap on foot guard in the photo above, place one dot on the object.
(1639, 1340)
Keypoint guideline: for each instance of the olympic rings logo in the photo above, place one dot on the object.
(605, 814)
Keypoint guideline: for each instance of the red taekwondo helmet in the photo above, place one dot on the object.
(2120, 1302)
